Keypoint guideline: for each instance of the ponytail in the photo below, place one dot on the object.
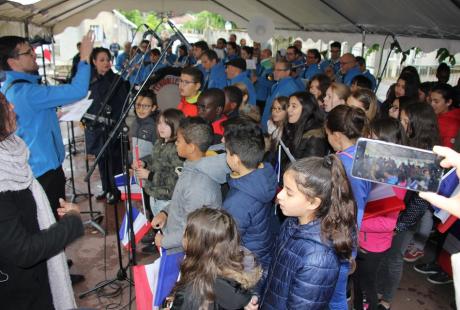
(339, 223)
(325, 178)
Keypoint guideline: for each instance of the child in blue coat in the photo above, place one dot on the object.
(319, 232)
(252, 189)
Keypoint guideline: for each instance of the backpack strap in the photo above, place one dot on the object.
(16, 82)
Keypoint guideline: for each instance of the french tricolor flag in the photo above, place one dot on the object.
(140, 225)
(145, 283)
(384, 199)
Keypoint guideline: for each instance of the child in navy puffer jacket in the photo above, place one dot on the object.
(252, 188)
(320, 231)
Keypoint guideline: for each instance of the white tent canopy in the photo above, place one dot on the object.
(427, 24)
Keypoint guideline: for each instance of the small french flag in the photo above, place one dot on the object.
(140, 225)
(384, 199)
(145, 283)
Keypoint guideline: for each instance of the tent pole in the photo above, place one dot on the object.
(363, 43)
(26, 28)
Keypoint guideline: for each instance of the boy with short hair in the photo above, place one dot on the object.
(211, 107)
(198, 184)
(233, 100)
(252, 188)
(143, 127)
(190, 83)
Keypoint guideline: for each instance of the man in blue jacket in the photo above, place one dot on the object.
(349, 68)
(313, 67)
(285, 86)
(236, 73)
(35, 107)
(334, 61)
(215, 71)
(362, 67)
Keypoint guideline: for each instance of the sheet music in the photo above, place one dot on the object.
(76, 110)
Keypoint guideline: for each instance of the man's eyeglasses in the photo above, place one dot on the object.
(186, 82)
(29, 52)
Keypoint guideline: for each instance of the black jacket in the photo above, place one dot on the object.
(24, 250)
(229, 295)
(100, 86)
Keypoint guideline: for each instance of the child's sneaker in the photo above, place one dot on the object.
(428, 268)
(413, 255)
(439, 278)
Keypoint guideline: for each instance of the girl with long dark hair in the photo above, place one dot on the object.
(344, 125)
(304, 133)
(319, 232)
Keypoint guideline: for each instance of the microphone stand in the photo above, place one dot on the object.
(121, 275)
(392, 47)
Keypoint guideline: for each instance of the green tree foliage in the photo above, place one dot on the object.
(139, 18)
(204, 20)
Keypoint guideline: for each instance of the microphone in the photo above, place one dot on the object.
(152, 32)
(395, 43)
(178, 36)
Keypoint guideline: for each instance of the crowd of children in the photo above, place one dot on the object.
(263, 207)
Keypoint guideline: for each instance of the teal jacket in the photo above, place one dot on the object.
(37, 123)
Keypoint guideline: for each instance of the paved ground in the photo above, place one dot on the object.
(96, 257)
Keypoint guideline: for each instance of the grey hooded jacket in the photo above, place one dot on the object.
(198, 185)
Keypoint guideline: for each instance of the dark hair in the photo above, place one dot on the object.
(412, 84)
(5, 122)
(388, 129)
(443, 72)
(8, 50)
(445, 90)
(411, 70)
(183, 48)
(196, 130)
(296, 50)
(155, 52)
(211, 55)
(249, 50)
(362, 82)
(215, 96)
(195, 73)
(96, 51)
(212, 249)
(426, 87)
(324, 83)
(325, 179)
(145, 42)
(147, 93)
(311, 117)
(422, 130)
(233, 45)
(173, 118)
(350, 121)
(360, 60)
(233, 94)
(336, 44)
(202, 45)
(316, 53)
(222, 39)
(247, 142)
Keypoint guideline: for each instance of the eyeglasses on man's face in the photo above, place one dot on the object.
(185, 82)
(29, 52)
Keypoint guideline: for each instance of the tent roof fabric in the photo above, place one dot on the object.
(438, 21)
